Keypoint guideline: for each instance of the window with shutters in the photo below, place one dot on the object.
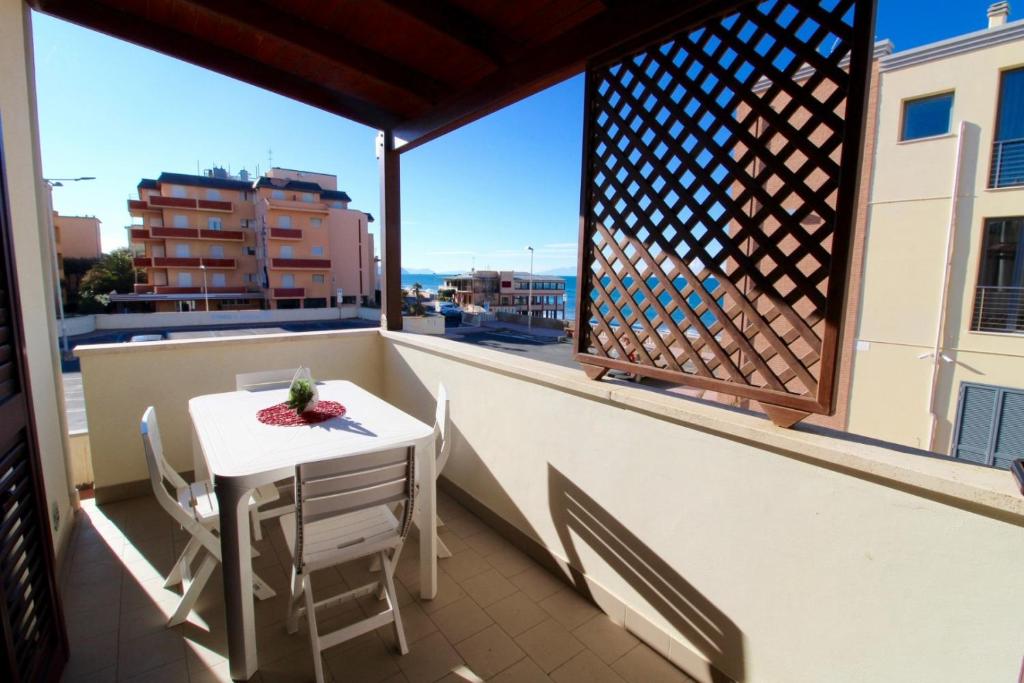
(989, 425)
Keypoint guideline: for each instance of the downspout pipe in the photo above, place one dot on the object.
(947, 271)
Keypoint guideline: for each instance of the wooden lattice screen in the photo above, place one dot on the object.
(719, 184)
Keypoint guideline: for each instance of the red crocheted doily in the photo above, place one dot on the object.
(283, 416)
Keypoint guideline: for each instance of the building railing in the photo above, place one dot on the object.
(300, 263)
(998, 309)
(165, 231)
(1007, 163)
(285, 234)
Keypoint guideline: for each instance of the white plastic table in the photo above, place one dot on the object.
(240, 453)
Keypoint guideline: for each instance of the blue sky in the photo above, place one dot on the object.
(477, 196)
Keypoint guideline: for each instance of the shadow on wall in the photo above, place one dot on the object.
(577, 515)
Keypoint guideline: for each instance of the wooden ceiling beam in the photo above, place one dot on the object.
(280, 25)
(180, 45)
(621, 26)
(460, 26)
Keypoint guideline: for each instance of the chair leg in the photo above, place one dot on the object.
(292, 620)
(195, 587)
(442, 549)
(261, 589)
(389, 586)
(314, 635)
(182, 566)
(257, 528)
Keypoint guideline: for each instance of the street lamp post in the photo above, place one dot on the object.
(52, 183)
(529, 300)
(206, 293)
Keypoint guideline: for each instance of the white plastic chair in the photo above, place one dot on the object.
(264, 381)
(443, 448)
(343, 511)
(194, 507)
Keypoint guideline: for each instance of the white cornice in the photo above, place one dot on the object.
(882, 49)
(968, 42)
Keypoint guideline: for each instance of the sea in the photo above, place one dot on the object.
(434, 281)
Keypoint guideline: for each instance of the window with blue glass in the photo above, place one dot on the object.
(927, 117)
(1008, 148)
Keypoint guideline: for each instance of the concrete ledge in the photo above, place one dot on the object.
(90, 350)
(977, 489)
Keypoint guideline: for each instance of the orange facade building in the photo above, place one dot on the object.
(75, 237)
(220, 242)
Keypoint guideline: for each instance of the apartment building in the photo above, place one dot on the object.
(75, 237)
(507, 291)
(312, 247)
(221, 242)
(939, 363)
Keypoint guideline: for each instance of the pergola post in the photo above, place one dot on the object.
(391, 230)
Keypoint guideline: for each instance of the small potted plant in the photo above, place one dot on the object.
(302, 394)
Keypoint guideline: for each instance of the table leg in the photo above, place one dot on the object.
(199, 469)
(427, 524)
(237, 566)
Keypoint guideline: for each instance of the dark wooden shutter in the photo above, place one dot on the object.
(34, 645)
(989, 425)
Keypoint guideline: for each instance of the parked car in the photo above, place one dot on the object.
(448, 308)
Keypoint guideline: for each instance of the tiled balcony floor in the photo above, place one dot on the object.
(498, 615)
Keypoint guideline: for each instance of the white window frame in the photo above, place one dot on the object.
(215, 223)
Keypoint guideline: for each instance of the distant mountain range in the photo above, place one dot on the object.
(417, 271)
(564, 271)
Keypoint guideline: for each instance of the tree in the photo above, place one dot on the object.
(75, 269)
(114, 272)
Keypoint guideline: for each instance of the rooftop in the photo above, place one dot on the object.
(203, 181)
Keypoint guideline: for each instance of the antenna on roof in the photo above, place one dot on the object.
(270, 157)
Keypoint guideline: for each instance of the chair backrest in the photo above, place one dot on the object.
(330, 488)
(442, 429)
(161, 474)
(265, 379)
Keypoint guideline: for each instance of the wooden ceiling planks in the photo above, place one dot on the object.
(419, 68)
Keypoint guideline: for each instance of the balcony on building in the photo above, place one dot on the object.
(288, 292)
(278, 263)
(285, 233)
(161, 202)
(165, 232)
